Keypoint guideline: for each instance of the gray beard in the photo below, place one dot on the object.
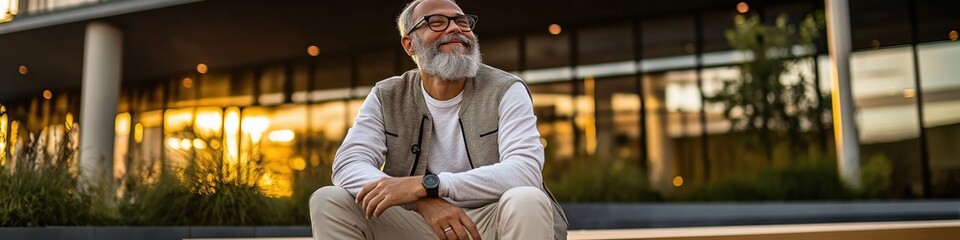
(461, 64)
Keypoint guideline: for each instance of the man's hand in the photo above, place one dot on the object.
(387, 192)
(447, 220)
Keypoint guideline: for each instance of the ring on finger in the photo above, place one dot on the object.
(447, 229)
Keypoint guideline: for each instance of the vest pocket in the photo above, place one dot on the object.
(394, 159)
(489, 151)
(389, 133)
(489, 132)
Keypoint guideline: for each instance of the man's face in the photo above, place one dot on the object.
(451, 54)
(446, 8)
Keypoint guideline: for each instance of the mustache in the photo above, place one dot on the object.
(457, 38)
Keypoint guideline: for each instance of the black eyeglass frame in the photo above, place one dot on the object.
(475, 18)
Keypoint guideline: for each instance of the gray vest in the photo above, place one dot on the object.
(407, 124)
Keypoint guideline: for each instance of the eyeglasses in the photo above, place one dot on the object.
(440, 22)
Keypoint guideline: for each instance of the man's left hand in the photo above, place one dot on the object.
(387, 192)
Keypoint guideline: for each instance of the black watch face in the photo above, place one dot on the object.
(431, 181)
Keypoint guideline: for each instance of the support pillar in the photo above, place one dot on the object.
(844, 123)
(100, 94)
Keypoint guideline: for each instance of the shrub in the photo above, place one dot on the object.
(41, 187)
(602, 181)
(794, 183)
(875, 176)
(209, 190)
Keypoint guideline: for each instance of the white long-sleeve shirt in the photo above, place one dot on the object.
(357, 162)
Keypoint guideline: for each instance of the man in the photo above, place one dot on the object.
(449, 150)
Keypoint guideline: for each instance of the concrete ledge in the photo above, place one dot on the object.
(887, 230)
(923, 230)
(621, 216)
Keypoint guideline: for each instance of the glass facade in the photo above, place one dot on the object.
(628, 99)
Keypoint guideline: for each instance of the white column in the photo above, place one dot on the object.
(844, 124)
(99, 96)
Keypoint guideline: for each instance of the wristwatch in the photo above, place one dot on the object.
(432, 184)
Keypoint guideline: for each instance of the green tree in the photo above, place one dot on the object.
(762, 102)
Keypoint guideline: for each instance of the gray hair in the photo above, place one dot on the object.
(405, 20)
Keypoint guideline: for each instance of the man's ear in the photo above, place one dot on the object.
(407, 44)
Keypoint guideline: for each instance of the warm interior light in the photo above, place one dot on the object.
(742, 7)
(554, 29)
(23, 70)
(298, 163)
(677, 181)
(690, 48)
(281, 136)
(313, 50)
(201, 68)
(68, 121)
(14, 136)
(187, 82)
(953, 35)
(255, 126)
(138, 133)
(3, 139)
(909, 93)
(173, 143)
(208, 121)
(122, 124)
(47, 94)
(231, 125)
(186, 144)
(199, 144)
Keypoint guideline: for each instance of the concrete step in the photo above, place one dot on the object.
(919, 230)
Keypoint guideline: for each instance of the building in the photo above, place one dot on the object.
(626, 83)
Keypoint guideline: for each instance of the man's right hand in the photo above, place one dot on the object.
(447, 220)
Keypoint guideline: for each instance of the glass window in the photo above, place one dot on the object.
(241, 87)
(883, 89)
(730, 154)
(271, 85)
(940, 80)
(215, 90)
(183, 92)
(673, 127)
(149, 138)
(553, 105)
(618, 121)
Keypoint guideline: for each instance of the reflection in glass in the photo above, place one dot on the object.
(673, 127)
(940, 80)
(618, 121)
(883, 82)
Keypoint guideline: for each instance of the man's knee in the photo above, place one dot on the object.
(525, 197)
(328, 196)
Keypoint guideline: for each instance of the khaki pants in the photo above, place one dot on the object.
(521, 213)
